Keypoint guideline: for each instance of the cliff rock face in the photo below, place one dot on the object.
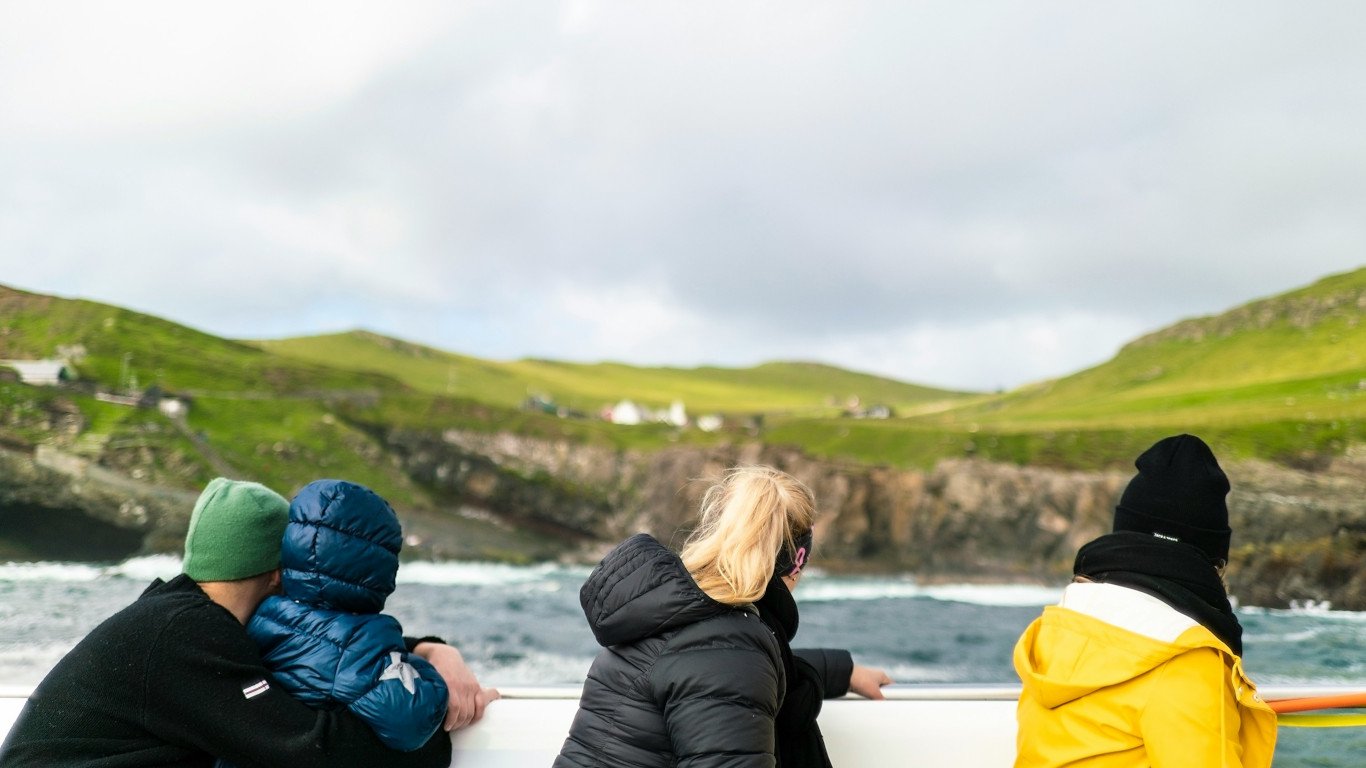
(965, 518)
(55, 506)
(1298, 536)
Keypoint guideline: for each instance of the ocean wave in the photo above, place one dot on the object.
(1300, 636)
(903, 672)
(553, 577)
(534, 669)
(417, 572)
(138, 568)
(996, 595)
(479, 574)
(1316, 611)
(55, 572)
(26, 665)
(148, 568)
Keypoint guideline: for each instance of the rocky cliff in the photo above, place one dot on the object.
(55, 506)
(1299, 535)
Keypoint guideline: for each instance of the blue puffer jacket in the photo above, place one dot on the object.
(325, 640)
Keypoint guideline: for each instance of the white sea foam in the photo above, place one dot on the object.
(147, 568)
(55, 572)
(824, 590)
(535, 669)
(417, 572)
(1001, 595)
(924, 673)
(1317, 610)
(26, 665)
(1302, 636)
(138, 568)
(475, 574)
(998, 595)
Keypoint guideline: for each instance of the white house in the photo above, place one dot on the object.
(41, 373)
(710, 422)
(626, 412)
(677, 415)
(173, 407)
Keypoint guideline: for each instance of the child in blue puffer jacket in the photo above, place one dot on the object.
(325, 639)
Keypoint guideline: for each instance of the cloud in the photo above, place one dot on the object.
(967, 197)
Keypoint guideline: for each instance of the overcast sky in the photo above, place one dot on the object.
(965, 194)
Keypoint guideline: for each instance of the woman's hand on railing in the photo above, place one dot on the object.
(868, 681)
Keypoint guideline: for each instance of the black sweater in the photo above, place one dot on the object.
(813, 674)
(173, 680)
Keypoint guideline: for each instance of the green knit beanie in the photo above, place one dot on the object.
(235, 531)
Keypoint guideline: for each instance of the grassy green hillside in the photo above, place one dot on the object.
(287, 418)
(793, 387)
(1299, 356)
(115, 343)
(1282, 378)
(258, 415)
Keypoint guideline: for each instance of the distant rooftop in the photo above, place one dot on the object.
(43, 373)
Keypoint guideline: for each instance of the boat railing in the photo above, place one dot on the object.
(929, 726)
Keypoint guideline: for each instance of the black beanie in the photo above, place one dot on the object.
(1178, 494)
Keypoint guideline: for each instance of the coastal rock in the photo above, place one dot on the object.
(1299, 533)
(58, 506)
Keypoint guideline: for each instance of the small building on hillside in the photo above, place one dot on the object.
(710, 422)
(540, 404)
(677, 415)
(875, 411)
(626, 412)
(41, 373)
(174, 406)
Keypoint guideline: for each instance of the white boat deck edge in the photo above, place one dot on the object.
(929, 726)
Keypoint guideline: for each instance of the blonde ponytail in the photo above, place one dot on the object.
(746, 519)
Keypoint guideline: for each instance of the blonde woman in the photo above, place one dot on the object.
(689, 671)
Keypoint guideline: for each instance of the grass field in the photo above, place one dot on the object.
(1282, 378)
(1298, 357)
(808, 388)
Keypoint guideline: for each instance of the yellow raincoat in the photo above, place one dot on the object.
(1098, 695)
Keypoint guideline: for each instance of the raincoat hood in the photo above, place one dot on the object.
(640, 590)
(1108, 695)
(1066, 655)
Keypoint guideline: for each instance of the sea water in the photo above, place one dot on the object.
(522, 625)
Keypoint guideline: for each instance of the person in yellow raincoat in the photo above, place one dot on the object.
(1140, 665)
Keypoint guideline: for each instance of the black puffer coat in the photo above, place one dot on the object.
(682, 679)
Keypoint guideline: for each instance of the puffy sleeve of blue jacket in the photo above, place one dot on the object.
(398, 693)
(327, 658)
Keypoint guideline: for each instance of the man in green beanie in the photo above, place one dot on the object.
(174, 680)
(239, 536)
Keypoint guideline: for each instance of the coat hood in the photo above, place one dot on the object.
(1065, 655)
(340, 549)
(640, 590)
